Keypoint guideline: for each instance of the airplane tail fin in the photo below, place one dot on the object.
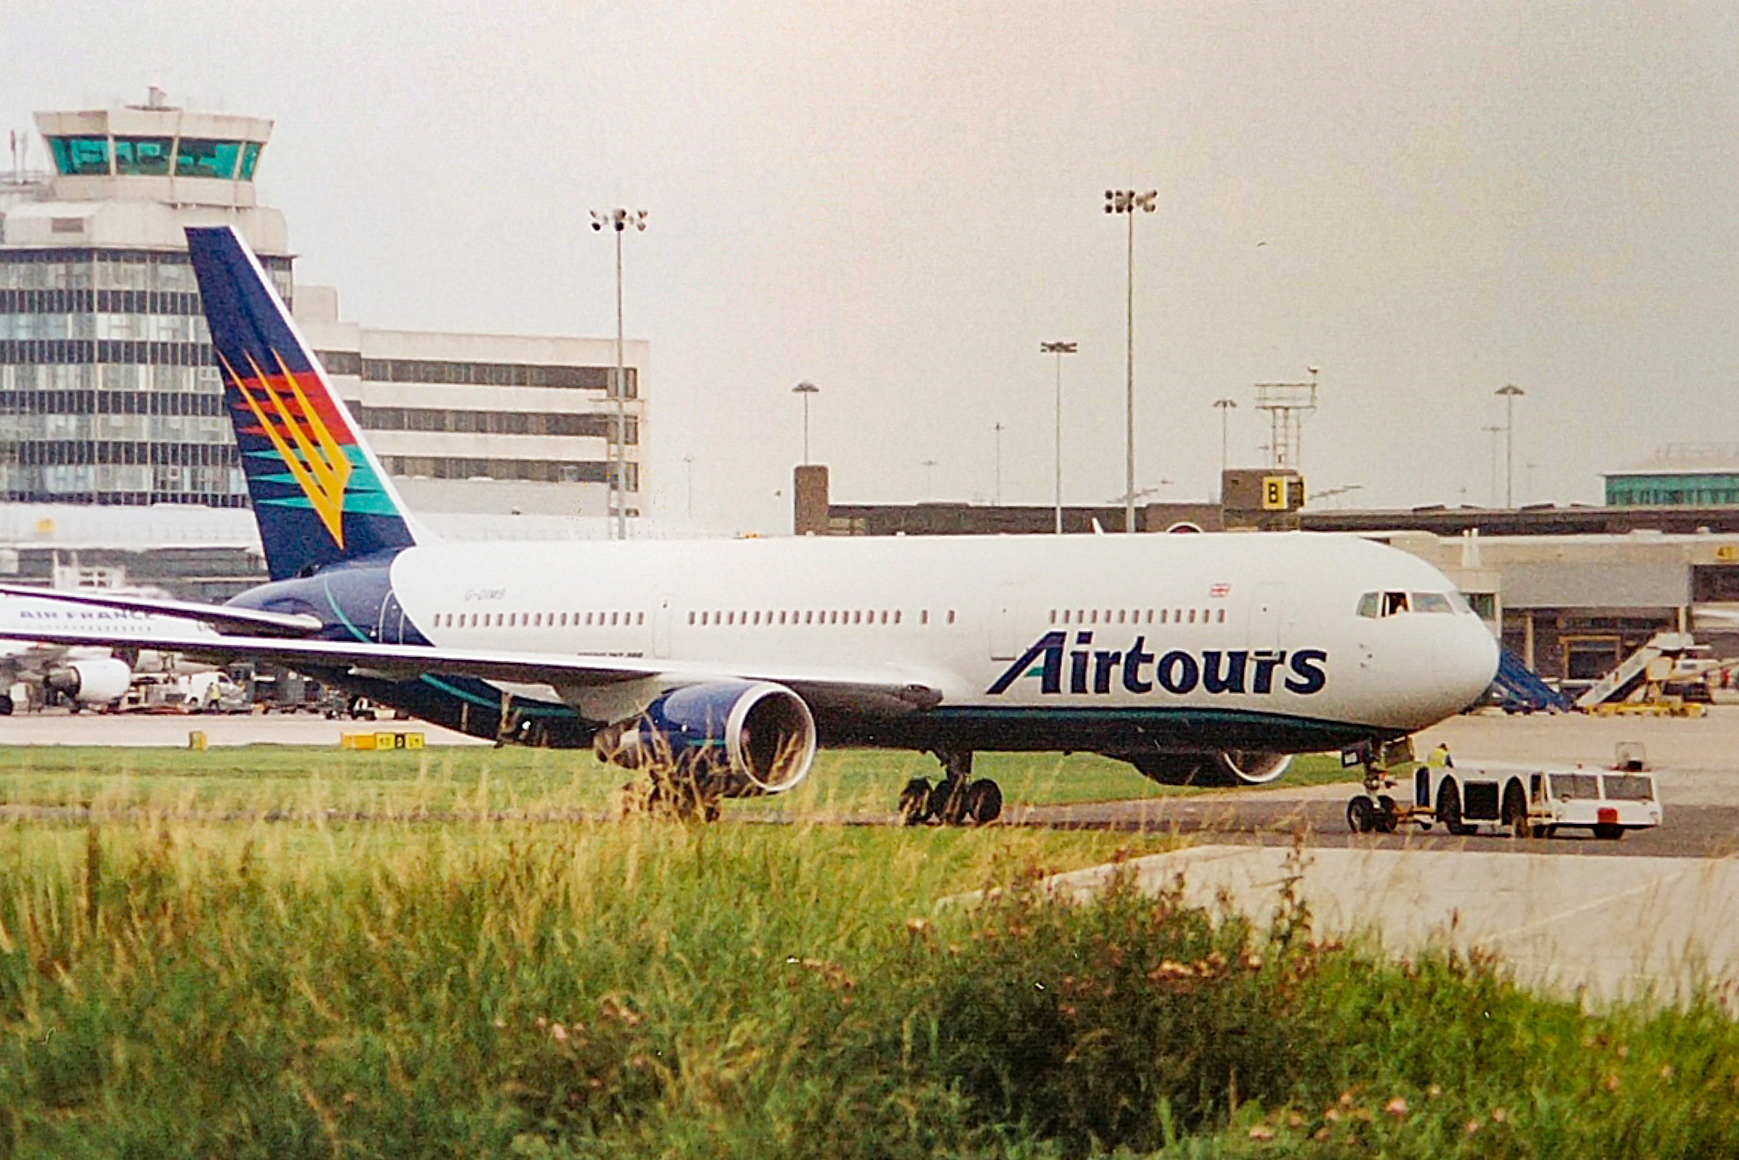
(319, 494)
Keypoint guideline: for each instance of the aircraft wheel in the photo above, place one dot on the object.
(915, 802)
(1387, 815)
(984, 800)
(948, 801)
(1361, 815)
(5, 706)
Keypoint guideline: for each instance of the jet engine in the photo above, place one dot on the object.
(725, 738)
(1230, 767)
(96, 681)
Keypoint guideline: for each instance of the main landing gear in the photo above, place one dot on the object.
(956, 800)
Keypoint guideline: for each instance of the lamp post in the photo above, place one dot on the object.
(996, 498)
(1059, 349)
(805, 389)
(1224, 407)
(1493, 431)
(1509, 392)
(619, 220)
(1128, 201)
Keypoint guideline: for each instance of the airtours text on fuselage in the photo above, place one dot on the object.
(1136, 670)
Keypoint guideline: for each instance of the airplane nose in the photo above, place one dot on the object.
(1473, 666)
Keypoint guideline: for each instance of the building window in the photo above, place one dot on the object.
(197, 158)
(145, 156)
(80, 156)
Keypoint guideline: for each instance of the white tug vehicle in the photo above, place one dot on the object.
(1525, 801)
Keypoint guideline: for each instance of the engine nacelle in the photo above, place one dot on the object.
(1231, 767)
(96, 681)
(728, 738)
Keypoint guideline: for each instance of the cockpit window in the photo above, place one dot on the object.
(1381, 604)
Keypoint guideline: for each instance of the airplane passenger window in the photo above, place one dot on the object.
(896, 616)
(1221, 618)
(950, 616)
(924, 616)
(639, 618)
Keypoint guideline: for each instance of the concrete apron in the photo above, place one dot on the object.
(1598, 928)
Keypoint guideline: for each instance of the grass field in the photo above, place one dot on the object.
(541, 781)
(242, 988)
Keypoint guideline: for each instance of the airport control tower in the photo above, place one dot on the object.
(107, 395)
(106, 392)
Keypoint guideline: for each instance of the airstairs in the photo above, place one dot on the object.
(1518, 689)
(1639, 678)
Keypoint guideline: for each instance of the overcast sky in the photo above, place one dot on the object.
(898, 200)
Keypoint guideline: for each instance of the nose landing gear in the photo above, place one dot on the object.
(957, 800)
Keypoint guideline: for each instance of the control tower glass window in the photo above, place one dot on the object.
(197, 158)
(148, 156)
(250, 158)
(80, 156)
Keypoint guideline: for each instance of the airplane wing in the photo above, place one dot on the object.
(882, 692)
(220, 616)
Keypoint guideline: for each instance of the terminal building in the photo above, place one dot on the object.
(1570, 590)
(108, 394)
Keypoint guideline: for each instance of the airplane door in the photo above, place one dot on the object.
(661, 626)
(390, 627)
(1005, 642)
(1265, 616)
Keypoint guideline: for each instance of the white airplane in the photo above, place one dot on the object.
(88, 675)
(720, 667)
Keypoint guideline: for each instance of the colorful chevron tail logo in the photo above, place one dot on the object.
(301, 437)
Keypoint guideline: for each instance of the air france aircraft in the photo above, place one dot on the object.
(87, 675)
(720, 667)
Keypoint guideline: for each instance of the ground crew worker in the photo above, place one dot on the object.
(1440, 758)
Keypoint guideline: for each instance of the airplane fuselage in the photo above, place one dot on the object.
(1107, 643)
